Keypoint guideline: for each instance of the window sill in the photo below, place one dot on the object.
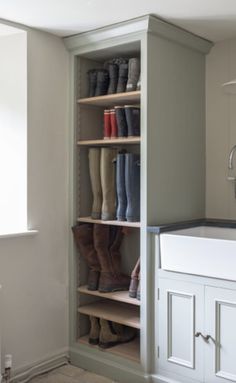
(25, 233)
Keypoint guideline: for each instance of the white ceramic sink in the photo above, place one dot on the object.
(203, 250)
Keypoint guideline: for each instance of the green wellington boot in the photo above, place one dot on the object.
(112, 333)
(94, 330)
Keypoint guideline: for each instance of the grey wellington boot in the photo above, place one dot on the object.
(132, 113)
(95, 178)
(123, 77)
(113, 78)
(94, 330)
(92, 82)
(112, 334)
(102, 82)
(108, 181)
(120, 187)
(132, 182)
(133, 287)
(133, 74)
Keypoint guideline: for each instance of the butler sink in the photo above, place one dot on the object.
(203, 250)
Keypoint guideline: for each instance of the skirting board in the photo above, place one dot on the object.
(24, 374)
(102, 366)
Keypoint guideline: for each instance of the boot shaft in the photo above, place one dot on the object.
(123, 78)
(102, 82)
(132, 182)
(92, 82)
(132, 114)
(108, 183)
(133, 74)
(120, 187)
(121, 121)
(114, 128)
(113, 78)
(95, 178)
(107, 124)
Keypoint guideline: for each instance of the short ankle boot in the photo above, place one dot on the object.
(138, 289)
(83, 235)
(120, 187)
(108, 156)
(102, 82)
(95, 178)
(123, 78)
(94, 331)
(113, 70)
(92, 82)
(139, 83)
(132, 113)
(133, 74)
(132, 182)
(121, 121)
(112, 334)
(134, 280)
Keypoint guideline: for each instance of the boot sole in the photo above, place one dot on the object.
(93, 342)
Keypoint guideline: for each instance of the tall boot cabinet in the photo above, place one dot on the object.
(172, 150)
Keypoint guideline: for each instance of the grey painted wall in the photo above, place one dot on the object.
(220, 130)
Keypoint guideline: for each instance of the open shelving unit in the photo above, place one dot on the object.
(115, 306)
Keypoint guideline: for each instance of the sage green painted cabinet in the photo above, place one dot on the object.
(172, 149)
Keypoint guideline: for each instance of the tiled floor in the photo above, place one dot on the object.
(70, 374)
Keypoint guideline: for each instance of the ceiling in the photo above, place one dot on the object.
(212, 19)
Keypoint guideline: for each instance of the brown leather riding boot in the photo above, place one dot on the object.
(83, 235)
(110, 278)
(134, 280)
(115, 244)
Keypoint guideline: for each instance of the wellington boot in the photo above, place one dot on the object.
(133, 74)
(108, 182)
(83, 235)
(121, 281)
(112, 334)
(120, 187)
(134, 280)
(111, 279)
(132, 183)
(94, 171)
(94, 330)
(138, 290)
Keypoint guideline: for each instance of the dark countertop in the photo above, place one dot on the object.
(192, 223)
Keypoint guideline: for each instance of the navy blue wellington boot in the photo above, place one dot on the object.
(132, 183)
(132, 113)
(121, 121)
(120, 187)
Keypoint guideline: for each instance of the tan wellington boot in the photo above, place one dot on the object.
(112, 334)
(94, 330)
(134, 280)
(95, 177)
(111, 278)
(108, 156)
(138, 290)
(83, 235)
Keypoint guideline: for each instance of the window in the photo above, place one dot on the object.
(13, 130)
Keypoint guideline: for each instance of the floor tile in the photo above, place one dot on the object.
(69, 370)
(89, 377)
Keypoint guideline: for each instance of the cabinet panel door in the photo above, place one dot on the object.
(221, 325)
(180, 313)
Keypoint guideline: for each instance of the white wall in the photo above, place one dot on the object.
(13, 132)
(33, 270)
(220, 130)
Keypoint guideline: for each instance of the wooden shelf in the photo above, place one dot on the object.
(130, 350)
(113, 311)
(112, 99)
(119, 296)
(115, 222)
(113, 141)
